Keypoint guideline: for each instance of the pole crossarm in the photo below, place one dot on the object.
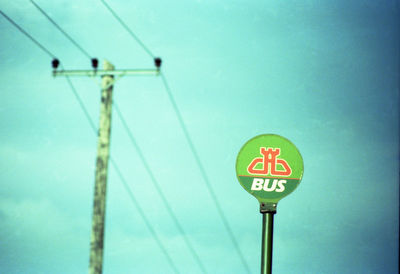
(117, 72)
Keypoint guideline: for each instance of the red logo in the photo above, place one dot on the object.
(270, 162)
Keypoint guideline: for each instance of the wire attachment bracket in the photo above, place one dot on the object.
(268, 208)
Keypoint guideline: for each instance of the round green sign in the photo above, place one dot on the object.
(269, 167)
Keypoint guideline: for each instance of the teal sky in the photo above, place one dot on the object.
(324, 74)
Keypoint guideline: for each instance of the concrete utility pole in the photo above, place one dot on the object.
(103, 148)
(103, 152)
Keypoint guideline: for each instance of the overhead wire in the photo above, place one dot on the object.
(147, 167)
(125, 184)
(133, 35)
(61, 30)
(28, 35)
(141, 212)
(159, 188)
(191, 145)
(114, 164)
(203, 173)
(179, 116)
(82, 105)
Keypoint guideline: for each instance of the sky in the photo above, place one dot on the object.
(323, 74)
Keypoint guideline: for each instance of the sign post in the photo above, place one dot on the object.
(269, 167)
(266, 246)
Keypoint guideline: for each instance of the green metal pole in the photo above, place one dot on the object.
(267, 239)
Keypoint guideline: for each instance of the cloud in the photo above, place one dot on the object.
(34, 230)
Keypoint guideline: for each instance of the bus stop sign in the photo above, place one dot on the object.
(269, 167)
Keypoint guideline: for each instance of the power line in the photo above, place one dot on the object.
(197, 158)
(147, 167)
(82, 105)
(127, 28)
(141, 212)
(155, 182)
(93, 127)
(191, 145)
(28, 35)
(60, 29)
(203, 173)
(160, 191)
(124, 183)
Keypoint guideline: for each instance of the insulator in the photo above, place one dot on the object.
(157, 62)
(95, 63)
(55, 63)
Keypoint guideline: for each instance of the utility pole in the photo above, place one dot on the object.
(103, 152)
(103, 148)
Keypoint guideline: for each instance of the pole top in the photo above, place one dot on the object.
(107, 65)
